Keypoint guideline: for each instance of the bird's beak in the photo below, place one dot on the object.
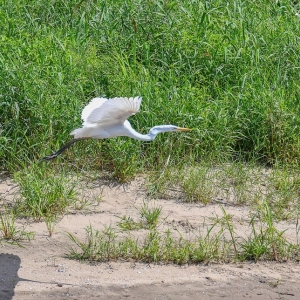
(183, 129)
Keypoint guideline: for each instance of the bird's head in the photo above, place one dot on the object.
(166, 128)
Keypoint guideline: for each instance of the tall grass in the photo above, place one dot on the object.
(228, 68)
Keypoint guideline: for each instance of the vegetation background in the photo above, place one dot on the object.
(229, 69)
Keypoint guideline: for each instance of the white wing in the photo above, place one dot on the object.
(94, 103)
(110, 111)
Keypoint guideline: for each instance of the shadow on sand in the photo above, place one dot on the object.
(9, 266)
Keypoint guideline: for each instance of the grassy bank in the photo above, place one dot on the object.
(230, 70)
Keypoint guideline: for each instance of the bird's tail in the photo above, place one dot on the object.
(76, 132)
(61, 150)
(83, 132)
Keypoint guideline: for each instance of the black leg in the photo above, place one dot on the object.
(61, 150)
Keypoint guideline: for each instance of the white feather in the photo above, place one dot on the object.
(94, 103)
(110, 111)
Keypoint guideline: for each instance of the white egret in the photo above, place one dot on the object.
(106, 118)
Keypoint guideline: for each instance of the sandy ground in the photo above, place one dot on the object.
(41, 271)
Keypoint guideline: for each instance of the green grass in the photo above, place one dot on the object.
(150, 215)
(155, 247)
(228, 69)
(44, 194)
(235, 184)
(265, 242)
(149, 218)
(10, 232)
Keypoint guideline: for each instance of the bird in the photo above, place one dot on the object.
(107, 118)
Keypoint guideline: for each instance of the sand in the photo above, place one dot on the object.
(40, 270)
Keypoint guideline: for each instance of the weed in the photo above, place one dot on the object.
(149, 218)
(265, 242)
(124, 163)
(237, 179)
(127, 223)
(227, 222)
(197, 185)
(99, 246)
(44, 193)
(274, 284)
(50, 223)
(194, 183)
(9, 230)
(236, 183)
(150, 215)
(284, 184)
(155, 247)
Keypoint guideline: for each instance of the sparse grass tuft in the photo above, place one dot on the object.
(235, 183)
(149, 218)
(194, 183)
(50, 223)
(10, 232)
(265, 242)
(99, 246)
(127, 223)
(150, 215)
(44, 193)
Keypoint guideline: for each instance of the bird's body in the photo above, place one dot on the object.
(107, 118)
(97, 131)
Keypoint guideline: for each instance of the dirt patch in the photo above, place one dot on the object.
(41, 271)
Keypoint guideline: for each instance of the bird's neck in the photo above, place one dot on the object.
(141, 137)
(130, 132)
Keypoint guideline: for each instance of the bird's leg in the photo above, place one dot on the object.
(61, 150)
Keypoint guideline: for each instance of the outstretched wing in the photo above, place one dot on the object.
(110, 111)
(94, 104)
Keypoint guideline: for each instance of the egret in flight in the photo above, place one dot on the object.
(107, 118)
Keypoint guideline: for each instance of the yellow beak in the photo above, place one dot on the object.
(183, 129)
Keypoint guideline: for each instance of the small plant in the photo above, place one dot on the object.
(274, 284)
(150, 215)
(82, 204)
(197, 185)
(227, 222)
(127, 223)
(8, 227)
(266, 242)
(9, 230)
(50, 223)
(99, 246)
